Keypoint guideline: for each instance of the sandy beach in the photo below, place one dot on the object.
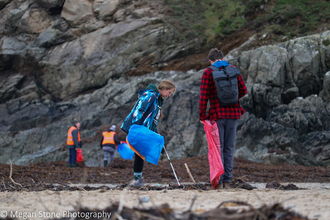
(313, 202)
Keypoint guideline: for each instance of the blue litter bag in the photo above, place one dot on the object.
(125, 151)
(146, 142)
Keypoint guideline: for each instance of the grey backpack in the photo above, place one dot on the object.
(226, 84)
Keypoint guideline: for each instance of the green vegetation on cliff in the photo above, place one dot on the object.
(214, 19)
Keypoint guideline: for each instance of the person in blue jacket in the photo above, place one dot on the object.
(147, 112)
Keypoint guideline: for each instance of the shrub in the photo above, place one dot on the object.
(326, 42)
(277, 29)
(254, 4)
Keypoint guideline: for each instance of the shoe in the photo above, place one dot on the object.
(219, 186)
(105, 163)
(139, 182)
(74, 165)
(69, 165)
(226, 185)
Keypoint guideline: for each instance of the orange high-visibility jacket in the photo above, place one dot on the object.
(108, 137)
(69, 140)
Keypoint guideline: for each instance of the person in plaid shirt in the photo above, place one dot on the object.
(225, 116)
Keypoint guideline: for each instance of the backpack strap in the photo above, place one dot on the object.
(226, 73)
(214, 68)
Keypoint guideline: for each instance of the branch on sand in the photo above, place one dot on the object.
(185, 164)
(11, 173)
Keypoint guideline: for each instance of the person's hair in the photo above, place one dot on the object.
(75, 121)
(215, 54)
(166, 84)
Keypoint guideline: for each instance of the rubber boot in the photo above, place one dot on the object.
(74, 165)
(219, 186)
(69, 165)
(226, 185)
(105, 163)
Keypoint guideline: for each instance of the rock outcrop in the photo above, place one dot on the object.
(287, 92)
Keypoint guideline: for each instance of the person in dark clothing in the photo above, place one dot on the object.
(225, 116)
(147, 112)
(108, 143)
(73, 143)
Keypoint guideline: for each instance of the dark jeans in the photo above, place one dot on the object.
(72, 155)
(227, 132)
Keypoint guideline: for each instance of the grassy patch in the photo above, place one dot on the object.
(211, 18)
(301, 17)
(214, 19)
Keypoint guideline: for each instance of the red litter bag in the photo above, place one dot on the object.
(214, 156)
(79, 155)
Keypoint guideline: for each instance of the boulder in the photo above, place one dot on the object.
(232, 55)
(8, 86)
(304, 55)
(14, 15)
(96, 6)
(318, 145)
(108, 8)
(141, 12)
(267, 142)
(51, 37)
(325, 93)
(290, 94)
(56, 34)
(35, 21)
(265, 65)
(119, 15)
(264, 98)
(12, 46)
(321, 111)
(51, 6)
(300, 114)
(76, 12)
(3, 3)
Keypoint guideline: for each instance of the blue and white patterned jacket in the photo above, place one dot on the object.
(145, 109)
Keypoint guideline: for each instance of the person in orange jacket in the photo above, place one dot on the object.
(73, 143)
(108, 143)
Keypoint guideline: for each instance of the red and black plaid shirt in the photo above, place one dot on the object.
(209, 92)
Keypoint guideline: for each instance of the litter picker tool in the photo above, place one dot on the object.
(171, 165)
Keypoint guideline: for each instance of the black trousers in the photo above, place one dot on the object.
(138, 164)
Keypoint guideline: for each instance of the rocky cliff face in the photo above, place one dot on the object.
(62, 60)
(287, 100)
